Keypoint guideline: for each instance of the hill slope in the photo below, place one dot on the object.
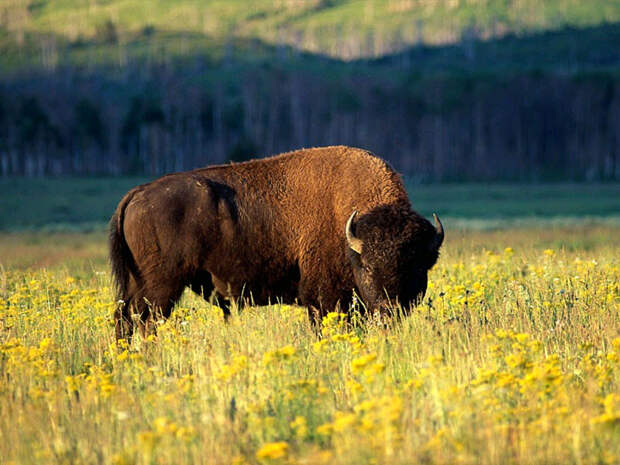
(339, 28)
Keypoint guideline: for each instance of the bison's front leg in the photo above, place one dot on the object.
(311, 293)
(202, 284)
(316, 317)
(320, 294)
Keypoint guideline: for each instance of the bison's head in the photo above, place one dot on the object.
(391, 250)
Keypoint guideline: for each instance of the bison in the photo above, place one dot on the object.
(313, 227)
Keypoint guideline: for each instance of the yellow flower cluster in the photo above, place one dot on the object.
(272, 450)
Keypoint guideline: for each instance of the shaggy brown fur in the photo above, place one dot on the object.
(270, 229)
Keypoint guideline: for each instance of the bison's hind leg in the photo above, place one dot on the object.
(157, 301)
(146, 305)
(202, 284)
(123, 314)
(123, 323)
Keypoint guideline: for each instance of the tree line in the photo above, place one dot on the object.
(161, 118)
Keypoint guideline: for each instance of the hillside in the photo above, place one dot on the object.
(345, 29)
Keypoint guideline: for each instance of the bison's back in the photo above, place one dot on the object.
(310, 186)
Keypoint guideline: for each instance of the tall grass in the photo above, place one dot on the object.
(514, 357)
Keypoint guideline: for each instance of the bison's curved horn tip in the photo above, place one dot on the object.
(355, 243)
(438, 224)
(439, 231)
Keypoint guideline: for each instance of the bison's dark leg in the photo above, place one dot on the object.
(202, 284)
(154, 302)
(124, 321)
(224, 304)
(319, 297)
(314, 314)
(123, 324)
(307, 298)
(315, 310)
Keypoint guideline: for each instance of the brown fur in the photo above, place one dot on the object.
(269, 229)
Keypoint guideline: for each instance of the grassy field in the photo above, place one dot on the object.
(78, 204)
(514, 357)
(86, 204)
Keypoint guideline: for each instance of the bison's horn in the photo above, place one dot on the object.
(354, 243)
(439, 233)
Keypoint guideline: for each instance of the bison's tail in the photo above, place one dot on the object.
(121, 258)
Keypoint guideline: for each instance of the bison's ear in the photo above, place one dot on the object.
(355, 243)
(439, 235)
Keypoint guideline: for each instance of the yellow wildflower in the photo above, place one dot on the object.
(272, 450)
(358, 364)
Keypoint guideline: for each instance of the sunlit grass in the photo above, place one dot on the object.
(443, 22)
(514, 357)
(116, 32)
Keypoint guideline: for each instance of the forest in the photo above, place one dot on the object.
(481, 97)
